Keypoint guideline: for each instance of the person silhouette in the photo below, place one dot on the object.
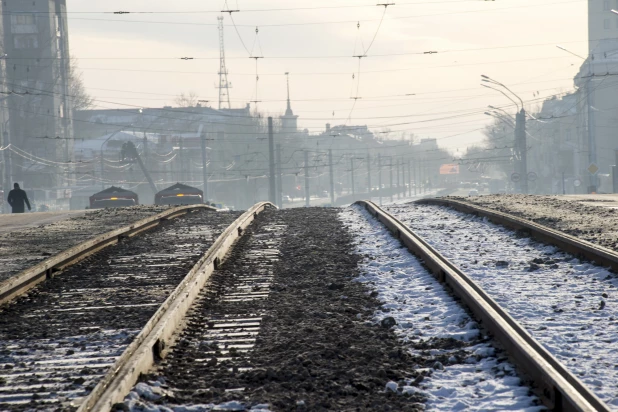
(17, 198)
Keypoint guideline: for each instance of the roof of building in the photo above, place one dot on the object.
(180, 188)
(113, 190)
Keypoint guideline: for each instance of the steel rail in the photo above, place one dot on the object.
(559, 388)
(153, 342)
(580, 248)
(29, 278)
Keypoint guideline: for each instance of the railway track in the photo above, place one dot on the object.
(58, 340)
(280, 325)
(224, 322)
(268, 317)
(563, 302)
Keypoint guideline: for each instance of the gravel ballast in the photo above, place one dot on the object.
(24, 248)
(462, 368)
(568, 305)
(320, 347)
(57, 340)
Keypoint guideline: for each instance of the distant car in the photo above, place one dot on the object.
(324, 194)
(473, 192)
(287, 199)
(43, 208)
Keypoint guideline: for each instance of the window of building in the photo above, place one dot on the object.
(23, 19)
(606, 23)
(25, 41)
(606, 5)
(569, 135)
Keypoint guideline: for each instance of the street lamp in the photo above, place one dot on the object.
(520, 130)
(501, 118)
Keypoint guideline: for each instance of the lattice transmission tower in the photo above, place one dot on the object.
(224, 87)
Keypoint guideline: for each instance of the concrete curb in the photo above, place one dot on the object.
(154, 338)
(581, 248)
(28, 278)
(560, 389)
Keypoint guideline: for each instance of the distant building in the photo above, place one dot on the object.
(597, 82)
(36, 51)
(556, 148)
(4, 117)
(602, 23)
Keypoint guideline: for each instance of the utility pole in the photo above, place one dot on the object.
(352, 179)
(369, 175)
(224, 86)
(592, 142)
(520, 138)
(409, 178)
(102, 170)
(204, 167)
(307, 196)
(271, 157)
(390, 169)
(332, 177)
(380, 177)
(8, 169)
(398, 183)
(181, 156)
(414, 175)
(279, 178)
(422, 171)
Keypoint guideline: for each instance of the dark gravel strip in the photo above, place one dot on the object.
(98, 304)
(22, 249)
(317, 349)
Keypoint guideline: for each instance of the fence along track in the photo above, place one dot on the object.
(560, 389)
(29, 278)
(581, 248)
(153, 340)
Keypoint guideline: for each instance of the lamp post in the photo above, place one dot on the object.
(521, 150)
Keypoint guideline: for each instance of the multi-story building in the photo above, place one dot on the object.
(602, 23)
(36, 51)
(597, 84)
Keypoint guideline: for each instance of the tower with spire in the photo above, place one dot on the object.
(289, 121)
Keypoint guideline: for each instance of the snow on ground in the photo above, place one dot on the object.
(143, 398)
(464, 370)
(568, 305)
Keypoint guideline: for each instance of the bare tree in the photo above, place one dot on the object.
(187, 100)
(80, 99)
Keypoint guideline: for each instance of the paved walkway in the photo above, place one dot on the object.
(10, 223)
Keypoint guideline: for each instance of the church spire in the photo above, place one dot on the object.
(289, 111)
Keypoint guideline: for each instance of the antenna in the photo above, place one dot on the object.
(224, 86)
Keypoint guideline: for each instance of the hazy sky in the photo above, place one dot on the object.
(134, 59)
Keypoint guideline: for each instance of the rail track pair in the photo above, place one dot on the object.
(559, 388)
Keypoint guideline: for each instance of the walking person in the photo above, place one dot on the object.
(17, 198)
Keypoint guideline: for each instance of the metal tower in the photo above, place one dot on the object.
(224, 86)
